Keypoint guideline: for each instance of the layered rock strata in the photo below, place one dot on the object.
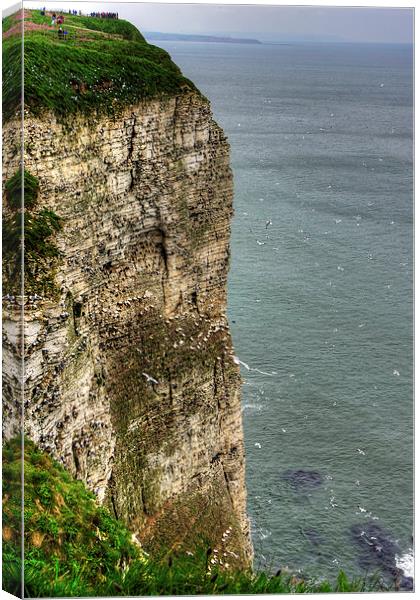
(129, 374)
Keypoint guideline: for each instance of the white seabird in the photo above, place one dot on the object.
(150, 379)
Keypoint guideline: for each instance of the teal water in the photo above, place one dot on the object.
(320, 300)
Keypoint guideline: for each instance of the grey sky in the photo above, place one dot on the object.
(276, 23)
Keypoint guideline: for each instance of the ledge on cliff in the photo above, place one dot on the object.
(73, 547)
(101, 65)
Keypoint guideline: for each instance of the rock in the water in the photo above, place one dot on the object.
(406, 584)
(313, 536)
(303, 480)
(378, 550)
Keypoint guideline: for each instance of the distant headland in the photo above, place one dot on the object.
(183, 37)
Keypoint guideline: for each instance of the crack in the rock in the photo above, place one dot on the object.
(131, 141)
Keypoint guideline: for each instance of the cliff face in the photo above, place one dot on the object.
(129, 379)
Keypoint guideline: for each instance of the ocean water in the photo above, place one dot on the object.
(320, 294)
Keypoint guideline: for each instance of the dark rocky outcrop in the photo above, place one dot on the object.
(302, 480)
(378, 551)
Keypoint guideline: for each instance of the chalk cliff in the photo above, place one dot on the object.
(129, 375)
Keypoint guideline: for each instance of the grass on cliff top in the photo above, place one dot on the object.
(73, 547)
(118, 27)
(102, 65)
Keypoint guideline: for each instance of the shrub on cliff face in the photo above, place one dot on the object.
(73, 547)
(14, 186)
(37, 227)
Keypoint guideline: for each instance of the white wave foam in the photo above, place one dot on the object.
(252, 407)
(237, 361)
(405, 562)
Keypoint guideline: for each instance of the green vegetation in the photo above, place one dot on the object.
(12, 78)
(13, 189)
(8, 22)
(73, 547)
(38, 230)
(103, 65)
(112, 26)
(38, 227)
(71, 544)
(36, 17)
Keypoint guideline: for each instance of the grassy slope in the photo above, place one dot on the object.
(71, 544)
(73, 547)
(102, 65)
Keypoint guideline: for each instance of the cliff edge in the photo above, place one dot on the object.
(129, 377)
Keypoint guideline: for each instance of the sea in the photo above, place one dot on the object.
(320, 295)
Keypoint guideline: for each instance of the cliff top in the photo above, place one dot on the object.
(84, 64)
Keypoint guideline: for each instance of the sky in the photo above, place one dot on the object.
(267, 23)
